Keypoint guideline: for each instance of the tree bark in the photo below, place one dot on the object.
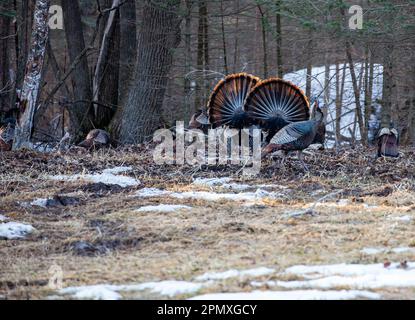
(6, 83)
(105, 81)
(280, 70)
(128, 44)
(80, 111)
(202, 53)
(159, 36)
(32, 80)
(264, 41)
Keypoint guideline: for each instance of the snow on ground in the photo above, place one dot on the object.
(163, 208)
(404, 218)
(290, 295)
(349, 103)
(224, 182)
(108, 176)
(39, 203)
(371, 251)
(98, 292)
(259, 194)
(359, 276)
(235, 273)
(15, 230)
(151, 192)
(3, 218)
(168, 288)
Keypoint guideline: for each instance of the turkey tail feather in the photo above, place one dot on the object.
(273, 103)
(226, 103)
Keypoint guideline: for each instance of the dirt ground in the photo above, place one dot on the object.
(93, 233)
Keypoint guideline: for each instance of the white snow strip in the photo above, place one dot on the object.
(163, 208)
(111, 292)
(404, 218)
(117, 170)
(212, 196)
(290, 295)
(151, 192)
(210, 182)
(15, 230)
(257, 272)
(98, 292)
(3, 218)
(108, 176)
(167, 288)
(347, 269)
(39, 203)
(370, 251)
(357, 276)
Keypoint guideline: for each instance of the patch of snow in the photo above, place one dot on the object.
(167, 288)
(290, 295)
(15, 230)
(210, 182)
(111, 292)
(257, 272)
(358, 276)
(108, 176)
(98, 292)
(371, 251)
(212, 196)
(151, 192)
(163, 208)
(347, 121)
(3, 218)
(39, 203)
(404, 218)
(117, 170)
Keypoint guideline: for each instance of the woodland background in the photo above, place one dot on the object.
(134, 66)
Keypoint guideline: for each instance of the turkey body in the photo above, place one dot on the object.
(296, 136)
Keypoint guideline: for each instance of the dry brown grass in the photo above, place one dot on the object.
(135, 247)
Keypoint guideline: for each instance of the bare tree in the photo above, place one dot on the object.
(159, 35)
(80, 111)
(31, 85)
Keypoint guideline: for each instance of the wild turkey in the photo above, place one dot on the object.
(200, 121)
(226, 103)
(274, 103)
(96, 138)
(296, 136)
(6, 137)
(388, 141)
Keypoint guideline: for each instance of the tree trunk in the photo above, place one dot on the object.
(356, 91)
(159, 36)
(309, 68)
(80, 111)
(202, 54)
(188, 54)
(128, 44)
(225, 55)
(280, 70)
(6, 83)
(105, 81)
(32, 79)
(264, 42)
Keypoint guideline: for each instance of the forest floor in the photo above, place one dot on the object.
(350, 210)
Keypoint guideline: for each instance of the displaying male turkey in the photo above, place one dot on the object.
(274, 103)
(296, 136)
(226, 103)
(388, 141)
(95, 139)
